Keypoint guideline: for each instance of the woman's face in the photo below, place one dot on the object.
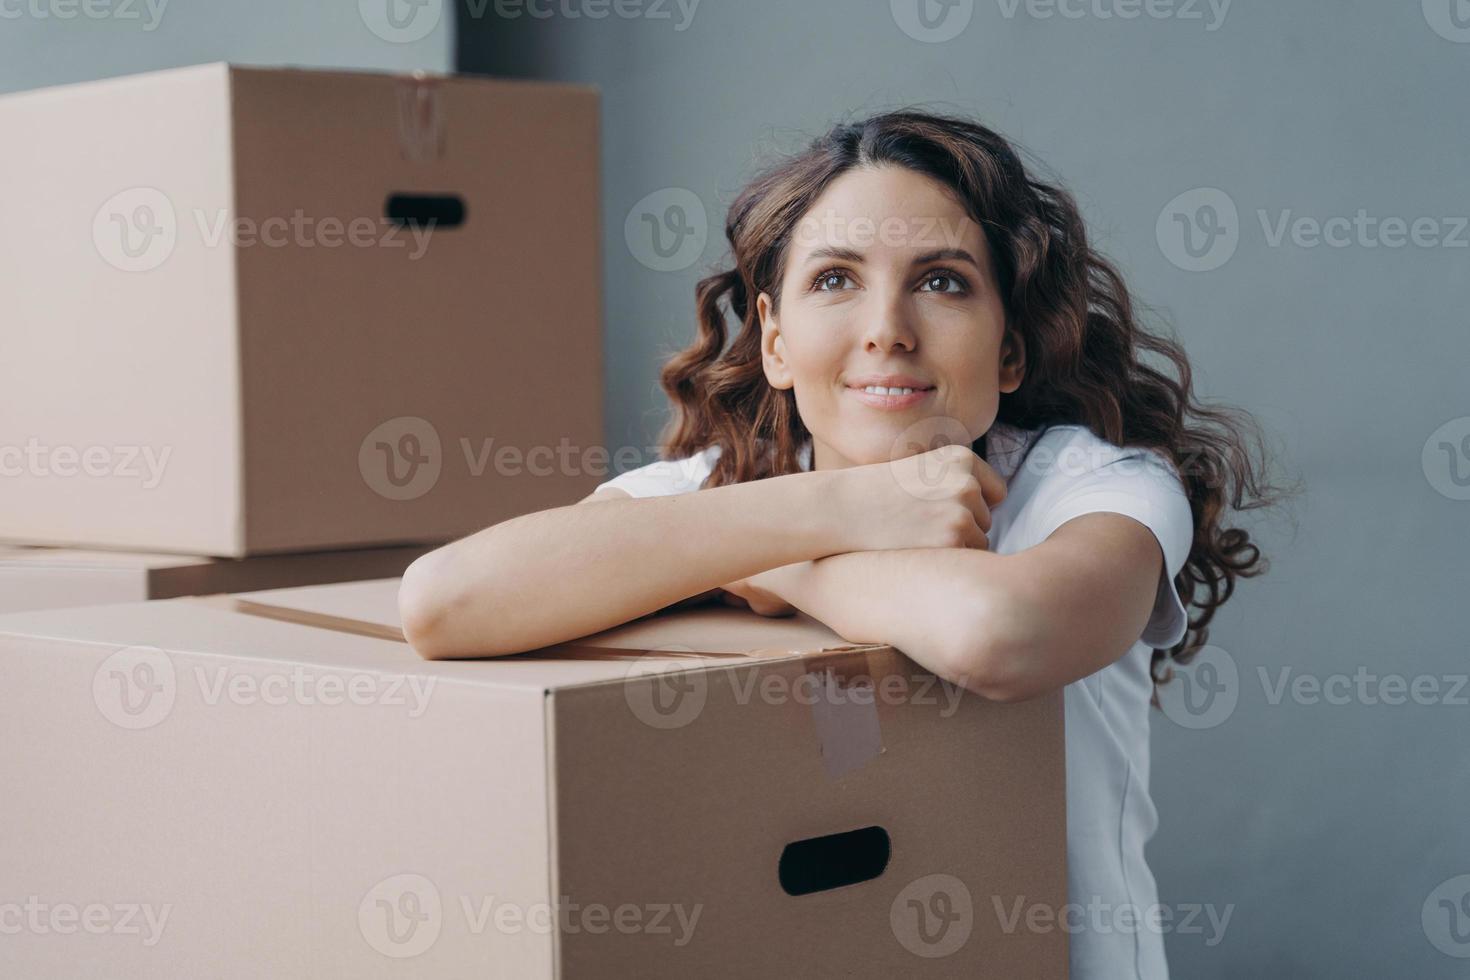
(888, 281)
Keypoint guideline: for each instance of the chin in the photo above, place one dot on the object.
(880, 451)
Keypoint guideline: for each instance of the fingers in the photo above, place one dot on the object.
(773, 609)
(992, 487)
(760, 606)
(973, 499)
(977, 539)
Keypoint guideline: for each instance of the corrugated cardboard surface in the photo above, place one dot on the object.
(492, 334)
(698, 815)
(52, 578)
(97, 359)
(271, 832)
(273, 382)
(306, 839)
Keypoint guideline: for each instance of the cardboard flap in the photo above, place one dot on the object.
(62, 558)
(701, 633)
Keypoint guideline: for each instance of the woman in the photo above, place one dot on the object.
(933, 428)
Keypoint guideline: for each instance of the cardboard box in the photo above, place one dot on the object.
(282, 788)
(54, 578)
(230, 328)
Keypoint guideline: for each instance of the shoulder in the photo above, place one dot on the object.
(1063, 457)
(665, 477)
(1068, 471)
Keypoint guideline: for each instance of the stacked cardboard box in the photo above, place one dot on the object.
(51, 578)
(276, 785)
(261, 311)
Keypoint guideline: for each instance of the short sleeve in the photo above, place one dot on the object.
(665, 477)
(1141, 485)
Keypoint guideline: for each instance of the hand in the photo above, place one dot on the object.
(761, 593)
(936, 499)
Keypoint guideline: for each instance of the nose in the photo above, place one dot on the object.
(888, 324)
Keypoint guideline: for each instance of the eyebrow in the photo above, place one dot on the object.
(852, 255)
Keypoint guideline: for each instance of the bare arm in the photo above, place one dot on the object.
(1009, 627)
(557, 574)
(933, 604)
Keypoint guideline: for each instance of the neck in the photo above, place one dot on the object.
(824, 457)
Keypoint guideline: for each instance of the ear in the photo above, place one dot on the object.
(773, 345)
(1012, 360)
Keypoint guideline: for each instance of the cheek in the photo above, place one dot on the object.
(815, 390)
(820, 399)
(972, 365)
(975, 353)
(967, 360)
(813, 350)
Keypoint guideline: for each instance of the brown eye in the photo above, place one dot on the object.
(944, 281)
(829, 281)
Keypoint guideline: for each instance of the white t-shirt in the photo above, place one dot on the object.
(1052, 476)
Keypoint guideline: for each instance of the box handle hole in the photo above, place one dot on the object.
(822, 863)
(433, 210)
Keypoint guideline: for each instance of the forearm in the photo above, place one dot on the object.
(937, 605)
(570, 571)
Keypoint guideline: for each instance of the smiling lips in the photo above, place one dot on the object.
(890, 393)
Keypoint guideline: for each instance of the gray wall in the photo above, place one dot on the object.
(1324, 828)
(52, 42)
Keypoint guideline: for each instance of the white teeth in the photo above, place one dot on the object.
(880, 390)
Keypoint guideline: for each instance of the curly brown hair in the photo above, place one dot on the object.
(1070, 305)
